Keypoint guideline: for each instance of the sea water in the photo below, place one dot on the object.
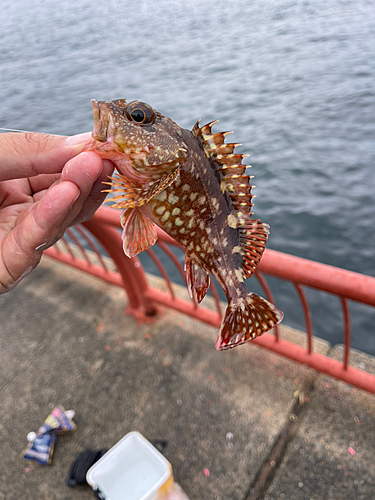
(294, 79)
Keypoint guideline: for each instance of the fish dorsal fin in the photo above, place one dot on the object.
(253, 239)
(133, 194)
(139, 232)
(234, 181)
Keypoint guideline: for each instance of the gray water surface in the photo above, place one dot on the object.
(293, 79)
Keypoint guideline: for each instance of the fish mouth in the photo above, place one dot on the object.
(105, 145)
(102, 119)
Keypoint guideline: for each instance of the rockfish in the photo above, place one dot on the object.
(193, 186)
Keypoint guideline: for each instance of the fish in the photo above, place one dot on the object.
(194, 186)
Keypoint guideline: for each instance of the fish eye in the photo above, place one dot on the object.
(138, 115)
(140, 112)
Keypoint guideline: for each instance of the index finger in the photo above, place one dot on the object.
(31, 153)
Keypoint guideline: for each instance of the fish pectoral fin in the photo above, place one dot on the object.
(139, 232)
(134, 194)
(253, 238)
(197, 279)
(245, 320)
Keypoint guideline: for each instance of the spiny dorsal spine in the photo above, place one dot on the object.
(252, 233)
(235, 182)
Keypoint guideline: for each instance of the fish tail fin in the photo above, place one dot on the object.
(245, 319)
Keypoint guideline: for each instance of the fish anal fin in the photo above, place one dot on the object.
(253, 236)
(139, 232)
(134, 194)
(245, 320)
(197, 278)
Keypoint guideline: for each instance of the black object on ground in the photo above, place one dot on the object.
(159, 444)
(81, 465)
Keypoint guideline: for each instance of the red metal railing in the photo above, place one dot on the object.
(103, 231)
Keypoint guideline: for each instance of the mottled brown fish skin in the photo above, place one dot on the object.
(195, 212)
(192, 185)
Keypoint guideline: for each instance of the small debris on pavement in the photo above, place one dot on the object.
(42, 443)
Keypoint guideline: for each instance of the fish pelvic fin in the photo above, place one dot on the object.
(246, 319)
(197, 279)
(139, 232)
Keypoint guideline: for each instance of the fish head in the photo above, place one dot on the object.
(143, 144)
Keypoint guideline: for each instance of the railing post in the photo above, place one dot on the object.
(131, 270)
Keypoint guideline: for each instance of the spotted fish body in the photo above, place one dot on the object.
(193, 186)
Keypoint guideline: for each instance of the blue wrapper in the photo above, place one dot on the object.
(41, 448)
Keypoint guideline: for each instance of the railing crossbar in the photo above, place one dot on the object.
(300, 272)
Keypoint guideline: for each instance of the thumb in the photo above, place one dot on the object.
(31, 153)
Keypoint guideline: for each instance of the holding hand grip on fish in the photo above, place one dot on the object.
(46, 185)
(193, 186)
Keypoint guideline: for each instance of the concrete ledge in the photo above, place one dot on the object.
(332, 454)
(64, 339)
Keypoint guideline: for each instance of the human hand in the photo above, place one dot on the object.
(46, 185)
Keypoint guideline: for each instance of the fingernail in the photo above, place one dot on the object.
(74, 140)
(41, 247)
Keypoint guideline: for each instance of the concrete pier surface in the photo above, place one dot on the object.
(244, 424)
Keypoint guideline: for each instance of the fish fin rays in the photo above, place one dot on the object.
(134, 194)
(139, 232)
(245, 320)
(237, 185)
(234, 180)
(197, 279)
(253, 238)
